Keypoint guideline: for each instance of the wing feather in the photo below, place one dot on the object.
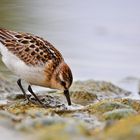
(31, 49)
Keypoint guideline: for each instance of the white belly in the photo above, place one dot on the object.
(33, 75)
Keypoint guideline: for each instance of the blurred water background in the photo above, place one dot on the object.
(99, 39)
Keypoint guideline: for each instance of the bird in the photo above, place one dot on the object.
(36, 61)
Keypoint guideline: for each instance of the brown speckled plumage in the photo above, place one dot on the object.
(35, 60)
(33, 50)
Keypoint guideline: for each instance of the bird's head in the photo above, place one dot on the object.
(62, 79)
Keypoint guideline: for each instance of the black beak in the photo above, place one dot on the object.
(66, 93)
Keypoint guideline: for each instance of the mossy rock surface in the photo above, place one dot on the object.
(118, 114)
(105, 105)
(125, 129)
(83, 97)
(70, 130)
(101, 88)
(97, 108)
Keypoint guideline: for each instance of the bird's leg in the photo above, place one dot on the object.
(23, 91)
(66, 93)
(31, 91)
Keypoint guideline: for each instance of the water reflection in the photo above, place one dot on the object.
(99, 39)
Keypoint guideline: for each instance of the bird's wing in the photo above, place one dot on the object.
(31, 49)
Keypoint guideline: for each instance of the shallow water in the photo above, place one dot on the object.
(99, 39)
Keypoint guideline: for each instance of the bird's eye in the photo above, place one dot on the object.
(63, 83)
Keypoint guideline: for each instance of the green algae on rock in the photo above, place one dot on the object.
(86, 92)
(96, 103)
(83, 97)
(118, 114)
(125, 129)
(135, 104)
(68, 130)
(105, 106)
(113, 109)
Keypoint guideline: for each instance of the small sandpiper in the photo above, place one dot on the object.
(36, 61)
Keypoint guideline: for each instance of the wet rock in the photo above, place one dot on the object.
(88, 91)
(49, 101)
(83, 97)
(113, 109)
(69, 130)
(91, 121)
(95, 104)
(7, 86)
(135, 104)
(126, 129)
(7, 115)
(29, 124)
(118, 114)
(22, 107)
(8, 120)
(105, 106)
(16, 96)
